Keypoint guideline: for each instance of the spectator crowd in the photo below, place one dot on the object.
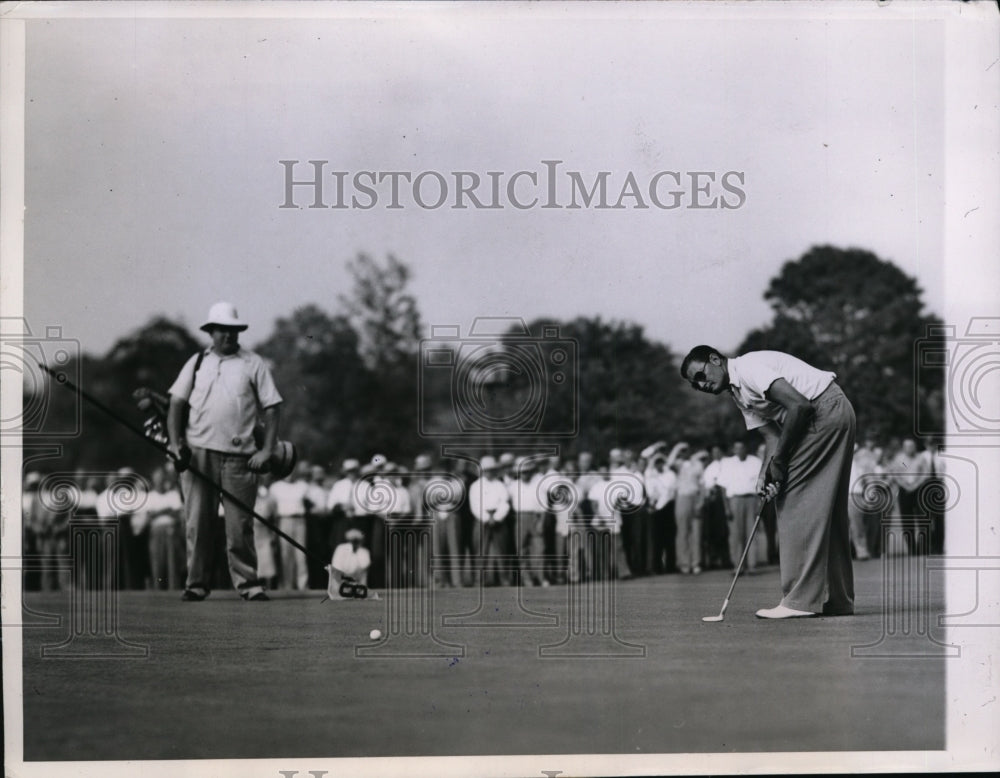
(536, 520)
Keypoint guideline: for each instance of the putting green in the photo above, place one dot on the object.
(227, 679)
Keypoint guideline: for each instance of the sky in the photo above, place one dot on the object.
(154, 145)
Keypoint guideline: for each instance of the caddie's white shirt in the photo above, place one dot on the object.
(739, 479)
(752, 374)
(225, 398)
(289, 497)
(351, 562)
(486, 495)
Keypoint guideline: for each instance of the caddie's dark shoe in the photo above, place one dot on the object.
(190, 595)
(837, 610)
(259, 597)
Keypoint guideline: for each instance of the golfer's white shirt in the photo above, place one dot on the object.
(351, 562)
(486, 495)
(752, 374)
(739, 478)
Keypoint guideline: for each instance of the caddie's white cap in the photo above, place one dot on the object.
(223, 314)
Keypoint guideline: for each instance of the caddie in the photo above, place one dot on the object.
(214, 405)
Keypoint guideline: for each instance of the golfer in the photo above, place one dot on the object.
(808, 427)
(222, 390)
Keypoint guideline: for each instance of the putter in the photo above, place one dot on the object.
(739, 567)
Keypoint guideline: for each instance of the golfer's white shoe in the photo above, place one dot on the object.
(781, 612)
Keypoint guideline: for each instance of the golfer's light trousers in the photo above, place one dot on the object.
(813, 526)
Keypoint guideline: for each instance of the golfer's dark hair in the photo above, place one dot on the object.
(700, 354)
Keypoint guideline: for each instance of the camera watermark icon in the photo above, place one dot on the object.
(39, 363)
(498, 379)
(971, 364)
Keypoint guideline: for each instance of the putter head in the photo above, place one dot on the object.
(712, 618)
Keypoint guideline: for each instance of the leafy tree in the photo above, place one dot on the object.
(385, 316)
(848, 311)
(627, 391)
(324, 383)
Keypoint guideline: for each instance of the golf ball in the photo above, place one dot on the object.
(375, 634)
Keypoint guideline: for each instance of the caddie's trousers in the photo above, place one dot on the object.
(201, 511)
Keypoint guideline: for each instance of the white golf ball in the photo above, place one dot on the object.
(375, 634)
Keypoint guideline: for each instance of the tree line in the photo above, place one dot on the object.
(365, 377)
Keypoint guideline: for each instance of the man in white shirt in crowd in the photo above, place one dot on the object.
(317, 526)
(489, 502)
(714, 514)
(341, 502)
(560, 499)
(738, 479)
(661, 488)
(50, 515)
(936, 487)
(863, 467)
(350, 562)
(809, 426)
(687, 509)
(586, 478)
(289, 496)
(529, 521)
(264, 538)
(166, 531)
(444, 497)
(910, 470)
(609, 498)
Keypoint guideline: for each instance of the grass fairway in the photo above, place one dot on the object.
(228, 679)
